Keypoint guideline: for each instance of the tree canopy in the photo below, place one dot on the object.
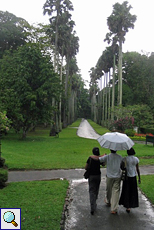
(12, 31)
(26, 91)
(119, 23)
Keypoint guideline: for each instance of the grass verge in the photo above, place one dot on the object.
(147, 187)
(41, 202)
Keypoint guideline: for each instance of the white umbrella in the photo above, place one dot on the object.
(115, 141)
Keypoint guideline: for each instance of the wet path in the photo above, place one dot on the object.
(141, 218)
(79, 218)
(70, 174)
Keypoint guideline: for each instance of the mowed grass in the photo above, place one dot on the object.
(41, 151)
(147, 186)
(41, 202)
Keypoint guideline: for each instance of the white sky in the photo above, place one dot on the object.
(91, 25)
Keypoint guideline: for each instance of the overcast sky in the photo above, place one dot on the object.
(91, 25)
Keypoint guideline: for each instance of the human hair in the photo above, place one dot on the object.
(113, 151)
(131, 152)
(96, 151)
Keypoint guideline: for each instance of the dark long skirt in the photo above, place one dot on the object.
(129, 194)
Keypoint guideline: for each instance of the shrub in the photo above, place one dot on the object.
(130, 132)
(121, 124)
(3, 175)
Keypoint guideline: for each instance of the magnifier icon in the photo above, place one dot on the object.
(9, 217)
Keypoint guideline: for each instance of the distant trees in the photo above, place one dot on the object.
(27, 84)
(39, 76)
(132, 79)
(65, 43)
(138, 78)
(138, 82)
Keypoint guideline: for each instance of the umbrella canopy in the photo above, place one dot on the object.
(115, 141)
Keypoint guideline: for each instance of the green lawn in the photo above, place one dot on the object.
(40, 151)
(147, 186)
(41, 202)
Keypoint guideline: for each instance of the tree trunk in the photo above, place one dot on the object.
(61, 74)
(106, 93)
(103, 117)
(120, 72)
(113, 89)
(109, 98)
(65, 114)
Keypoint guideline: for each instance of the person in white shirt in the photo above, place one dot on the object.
(129, 195)
(113, 178)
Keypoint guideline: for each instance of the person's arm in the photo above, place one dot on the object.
(138, 172)
(97, 157)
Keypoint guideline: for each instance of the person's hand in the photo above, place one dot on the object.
(103, 155)
(139, 181)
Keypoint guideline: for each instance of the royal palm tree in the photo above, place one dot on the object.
(119, 23)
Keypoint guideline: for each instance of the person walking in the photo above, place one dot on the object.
(113, 178)
(129, 195)
(94, 179)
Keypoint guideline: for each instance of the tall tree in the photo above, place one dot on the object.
(63, 38)
(93, 92)
(13, 31)
(119, 23)
(55, 9)
(26, 91)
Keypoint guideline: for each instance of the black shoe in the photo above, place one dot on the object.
(92, 212)
(128, 210)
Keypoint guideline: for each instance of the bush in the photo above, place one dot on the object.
(3, 175)
(130, 132)
(121, 124)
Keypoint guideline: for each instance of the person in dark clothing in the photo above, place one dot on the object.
(94, 179)
(129, 195)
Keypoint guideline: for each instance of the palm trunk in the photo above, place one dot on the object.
(113, 89)
(109, 102)
(120, 72)
(61, 72)
(106, 75)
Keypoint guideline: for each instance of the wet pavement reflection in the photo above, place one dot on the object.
(80, 218)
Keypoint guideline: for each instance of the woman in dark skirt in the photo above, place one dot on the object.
(129, 194)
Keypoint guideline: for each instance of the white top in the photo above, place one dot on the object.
(113, 161)
(131, 162)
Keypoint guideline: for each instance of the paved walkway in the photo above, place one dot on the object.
(70, 174)
(79, 217)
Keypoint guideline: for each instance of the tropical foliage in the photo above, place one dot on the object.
(4, 122)
(39, 77)
(26, 91)
(127, 78)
